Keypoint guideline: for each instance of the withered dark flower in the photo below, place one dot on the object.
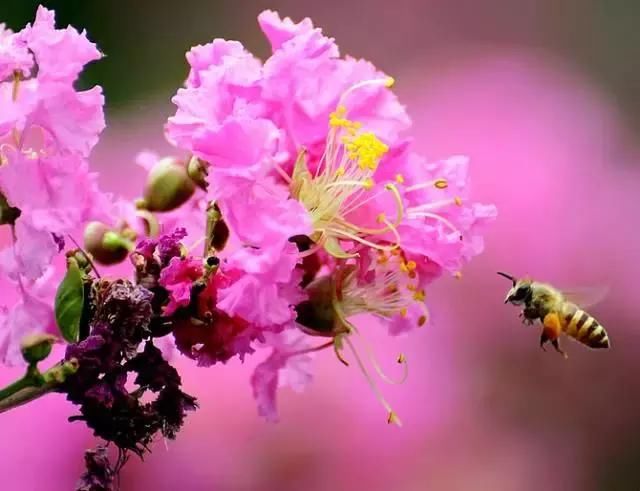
(99, 475)
(109, 357)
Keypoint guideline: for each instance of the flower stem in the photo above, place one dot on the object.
(35, 384)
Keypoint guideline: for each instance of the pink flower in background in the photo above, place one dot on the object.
(33, 312)
(61, 54)
(47, 130)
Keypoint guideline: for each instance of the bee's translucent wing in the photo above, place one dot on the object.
(586, 297)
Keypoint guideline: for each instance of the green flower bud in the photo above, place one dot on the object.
(107, 246)
(198, 172)
(36, 347)
(168, 186)
(317, 315)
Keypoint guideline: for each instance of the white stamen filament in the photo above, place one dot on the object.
(437, 183)
(374, 387)
(386, 82)
(376, 365)
(421, 214)
(282, 173)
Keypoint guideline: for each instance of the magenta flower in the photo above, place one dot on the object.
(178, 278)
(305, 79)
(265, 286)
(311, 145)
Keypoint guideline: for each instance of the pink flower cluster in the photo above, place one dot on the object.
(47, 130)
(302, 159)
(309, 163)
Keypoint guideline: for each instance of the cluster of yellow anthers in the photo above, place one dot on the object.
(343, 182)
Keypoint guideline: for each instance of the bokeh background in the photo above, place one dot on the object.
(544, 96)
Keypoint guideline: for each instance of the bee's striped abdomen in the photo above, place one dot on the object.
(584, 327)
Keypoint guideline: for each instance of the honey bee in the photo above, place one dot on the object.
(558, 311)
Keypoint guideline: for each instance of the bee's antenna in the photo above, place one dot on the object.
(509, 277)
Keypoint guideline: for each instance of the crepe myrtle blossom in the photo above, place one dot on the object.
(47, 129)
(312, 145)
(293, 205)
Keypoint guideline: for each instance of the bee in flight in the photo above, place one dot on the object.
(557, 312)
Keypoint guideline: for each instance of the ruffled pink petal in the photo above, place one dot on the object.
(61, 54)
(284, 367)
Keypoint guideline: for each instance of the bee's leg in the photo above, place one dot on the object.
(543, 340)
(556, 345)
(551, 330)
(528, 315)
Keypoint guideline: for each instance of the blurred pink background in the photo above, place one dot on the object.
(484, 408)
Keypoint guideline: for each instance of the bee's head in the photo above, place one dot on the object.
(520, 292)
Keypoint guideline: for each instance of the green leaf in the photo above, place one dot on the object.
(70, 302)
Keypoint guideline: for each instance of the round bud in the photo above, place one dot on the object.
(168, 186)
(197, 170)
(317, 315)
(106, 245)
(36, 347)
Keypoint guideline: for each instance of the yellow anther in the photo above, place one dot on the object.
(422, 320)
(403, 312)
(381, 218)
(389, 82)
(382, 259)
(411, 287)
(337, 118)
(368, 183)
(340, 171)
(457, 200)
(401, 358)
(396, 252)
(419, 296)
(457, 275)
(392, 418)
(399, 178)
(411, 265)
(367, 149)
(403, 267)
(441, 183)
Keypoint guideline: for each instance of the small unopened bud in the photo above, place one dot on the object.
(106, 245)
(36, 347)
(217, 229)
(198, 172)
(317, 315)
(168, 186)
